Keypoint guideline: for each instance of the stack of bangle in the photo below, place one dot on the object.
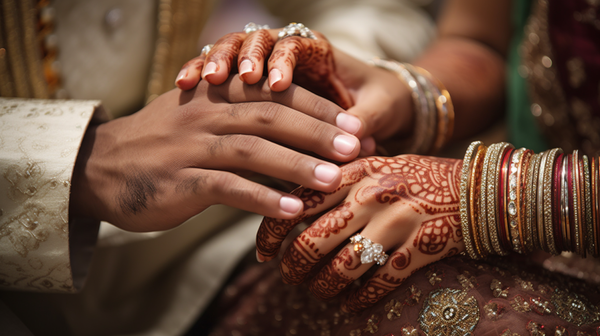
(434, 113)
(515, 200)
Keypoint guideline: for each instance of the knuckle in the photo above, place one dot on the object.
(268, 114)
(244, 147)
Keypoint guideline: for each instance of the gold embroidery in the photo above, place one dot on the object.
(544, 289)
(355, 332)
(574, 308)
(497, 290)
(449, 311)
(507, 332)
(535, 329)
(519, 304)
(434, 277)
(393, 309)
(466, 280)
(414, 296)
(524, 285)
(540, 306)
(581, 333)
(373, 324)
(409, 331)
(561, 331)
(493, 310)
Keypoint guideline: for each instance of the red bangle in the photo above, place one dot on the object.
(502, 209)
(556, 223)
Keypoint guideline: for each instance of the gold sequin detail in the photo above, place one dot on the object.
(409, 331)
(466, 280)
(574, 308)
(414, 295)
(449, 311)
(524, 285)
(372, 324)
(520, 305)
(561, 331)
(493, 310)
(434, 277)
(535, 329)
(393, 309)
(507, 332)
(541, 306)
(497, 289)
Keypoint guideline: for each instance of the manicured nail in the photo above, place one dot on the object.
(245, 67)
(182, 74)
(290, 205)
(347, 122)
(326, 173)
(368, 145)
(209, 69)
(274, 76)
(259, 258)
(345, 144)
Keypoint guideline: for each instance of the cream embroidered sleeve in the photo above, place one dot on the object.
(39, 141)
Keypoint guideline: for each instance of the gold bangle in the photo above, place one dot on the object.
(445, 110)
(493, 199)
(474, 190)
(596, 205)
(464, 199)
(529, 204)
(564, 204)
(483, 225)
(589, 231)
(428, 107)
(540, 202)
(522, 166)
(548, 227)
(576, 200)
(532, 201)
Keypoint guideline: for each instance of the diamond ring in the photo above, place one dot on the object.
(252, 27)
(369, 252)
(296, 29)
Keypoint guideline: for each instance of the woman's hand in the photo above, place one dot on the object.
(377, 97)
(409, 204)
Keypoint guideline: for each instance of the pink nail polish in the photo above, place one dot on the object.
(344, 144)
(348, 123)
(326, 173)
(290, 205)
(209, 69)
(245, 67)
(274, 76)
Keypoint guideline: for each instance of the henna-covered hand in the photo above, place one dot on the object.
(380, 101)
(409, 204)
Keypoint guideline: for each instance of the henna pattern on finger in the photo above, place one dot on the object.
(257, 46)
(435, 233)
(372, 291)
(227, 48)
(332, 222)
(298, 260)
(400, 260)
(331, 279)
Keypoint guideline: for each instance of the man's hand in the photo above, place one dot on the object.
(180, 154)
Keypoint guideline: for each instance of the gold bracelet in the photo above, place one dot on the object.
(589, 231)
(540, 202)
(549, 229)
(483, 225)
(513, 203)
(474, 190)
(523, 164)
(576, 200)
(493, 199)
(564, 204)
(464, 197)
(531, 201)
(595, 208)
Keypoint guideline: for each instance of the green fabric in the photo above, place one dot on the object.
(523, 128)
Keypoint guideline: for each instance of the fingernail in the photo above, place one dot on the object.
(326, 173)
(259, 258)
(274, 76)
(209, 69)
(182, 74)
(245, 67)
(347, 122)
(344, 144)
(368, 145)
(290, 205)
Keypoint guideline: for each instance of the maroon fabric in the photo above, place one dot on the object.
(575, 33)
(518, 291)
